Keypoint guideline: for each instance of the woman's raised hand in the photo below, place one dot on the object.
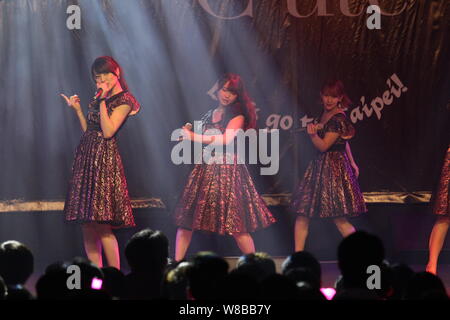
(188, 126)
(186, 131)
(104, 87)
(73, 102)
(311, 129)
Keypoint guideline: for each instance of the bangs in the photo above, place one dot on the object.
(332, 91)
(333, 88)
(103, 66)
(233, 82)
(233, 85)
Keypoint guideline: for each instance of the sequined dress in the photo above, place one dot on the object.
(221, 198)
(441, 197)
(98, 188)
(329, 188)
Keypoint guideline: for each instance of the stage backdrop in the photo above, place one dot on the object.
(172, 52)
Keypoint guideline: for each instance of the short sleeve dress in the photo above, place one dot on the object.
(221, 197)
(329, 188)
(98, 188)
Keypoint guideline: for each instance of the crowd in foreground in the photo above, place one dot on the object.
(207, 276)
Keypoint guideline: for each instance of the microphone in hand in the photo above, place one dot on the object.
(319, 126)
(98, 94)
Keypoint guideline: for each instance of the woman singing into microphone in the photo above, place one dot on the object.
(98, 194)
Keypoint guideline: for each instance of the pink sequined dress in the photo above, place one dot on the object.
(329, 188)
(98, 188)
(441, 199)
(221, 198)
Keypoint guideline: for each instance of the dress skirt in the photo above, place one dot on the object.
(221, 198)
(98, 188)
(441, 197)
(329, 189)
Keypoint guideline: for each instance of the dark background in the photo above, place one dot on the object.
(172, 53)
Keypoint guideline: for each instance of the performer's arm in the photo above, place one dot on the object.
(74, 103)
(220, 139)
(321, 144)
(110, 124)
(350, 157)
(82, 118)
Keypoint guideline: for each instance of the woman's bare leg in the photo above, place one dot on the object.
(300, 232)
(437, 238)
(92, 244)
(344, 227)
(182, 242)
(245, 242)
(110, 245)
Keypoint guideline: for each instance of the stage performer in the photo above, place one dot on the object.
(98, 195)
(222, 198)
(329, 188)
(440, 209)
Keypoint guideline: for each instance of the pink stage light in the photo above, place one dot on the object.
(328, 292)
(96, 283)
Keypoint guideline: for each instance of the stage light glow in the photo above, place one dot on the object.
(328, 292)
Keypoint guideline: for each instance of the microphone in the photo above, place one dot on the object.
(303, 129)
(98, 93)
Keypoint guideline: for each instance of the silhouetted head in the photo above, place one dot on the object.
(240, 285)
(16, 262)
(401, 275)
(425, 286)
(147, 251)
(71, 281)
(278, 287)
(259, 265)
(206, 275)
(356, 253)
(303, 278)
(175, 282)
(305, 260)
(113, 281)
(52, 285)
